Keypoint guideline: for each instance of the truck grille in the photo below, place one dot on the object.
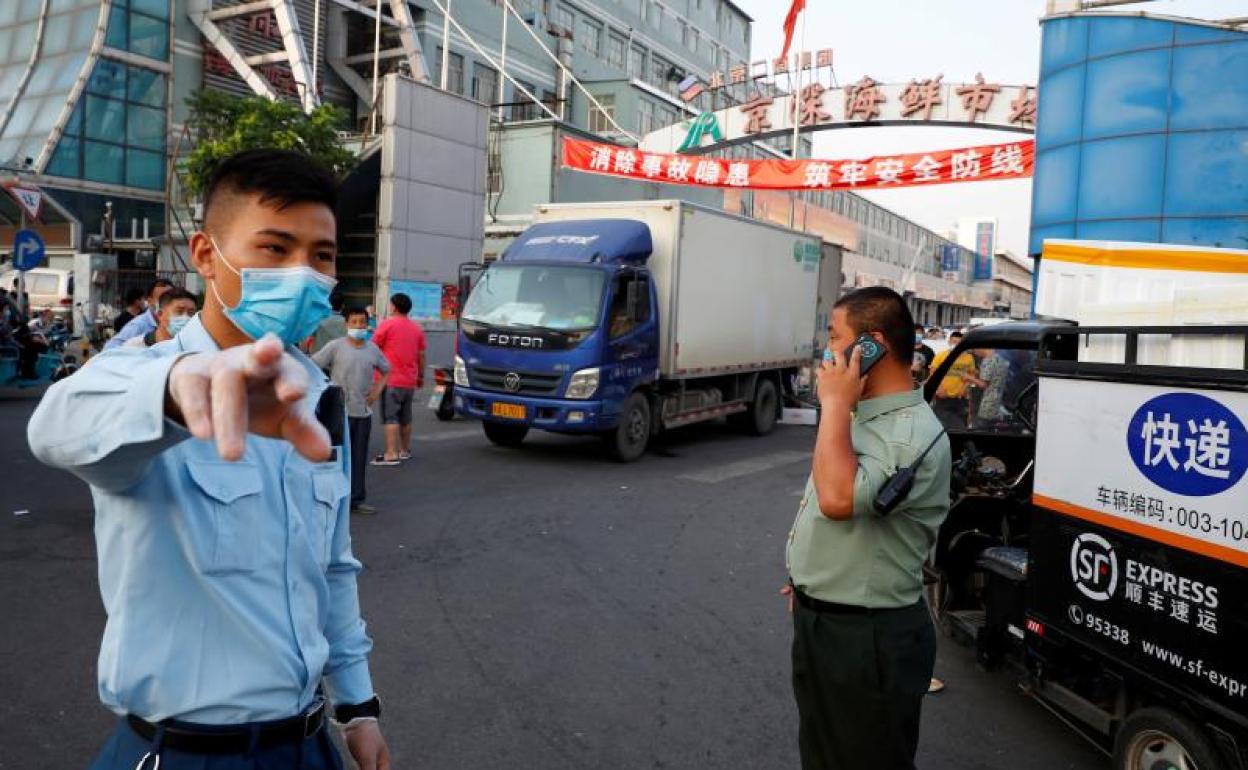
(530, 384)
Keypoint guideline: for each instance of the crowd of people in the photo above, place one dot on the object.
(979, 387)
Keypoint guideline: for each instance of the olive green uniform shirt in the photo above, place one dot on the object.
(870, 560)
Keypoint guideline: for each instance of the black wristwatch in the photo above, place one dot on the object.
(369, 708)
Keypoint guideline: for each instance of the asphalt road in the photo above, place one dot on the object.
(541, 608)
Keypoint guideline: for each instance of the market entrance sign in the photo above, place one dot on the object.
(816, 107)
(981, 163)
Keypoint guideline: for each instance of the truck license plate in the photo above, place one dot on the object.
(510, 411)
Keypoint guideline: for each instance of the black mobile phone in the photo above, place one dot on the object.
(872, 351)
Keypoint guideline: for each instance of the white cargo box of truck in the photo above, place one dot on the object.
(734, 294)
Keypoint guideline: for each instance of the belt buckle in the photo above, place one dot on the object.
(312, 721)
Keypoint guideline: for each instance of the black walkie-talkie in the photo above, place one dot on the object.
(898, 486)
(331, 412)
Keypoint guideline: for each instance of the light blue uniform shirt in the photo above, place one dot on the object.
(141, 324)
(230, 588)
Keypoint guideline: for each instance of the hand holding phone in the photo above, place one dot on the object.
(872, 352)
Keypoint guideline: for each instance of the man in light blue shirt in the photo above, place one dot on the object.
(225, 560)
(145, 322)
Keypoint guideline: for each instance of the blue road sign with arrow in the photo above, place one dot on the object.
(28, 250)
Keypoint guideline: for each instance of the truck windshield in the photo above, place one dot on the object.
(561, 298)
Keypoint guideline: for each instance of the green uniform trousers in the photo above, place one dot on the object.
(859, 680)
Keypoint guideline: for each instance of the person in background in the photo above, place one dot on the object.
(221, 510)
(951, 402)
(41, 324)
(994, 371)
(176, 309)
(863, 643)
(403, 342)
(361, 370)
(134, 306)
(143, 322)
(332, 328)
(922, 349)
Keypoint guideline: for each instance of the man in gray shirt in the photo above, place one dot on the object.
(352, 362)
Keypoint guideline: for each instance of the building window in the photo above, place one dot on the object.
(591, 37)
(658, 71)
(523, 108)
(484, 84)
(645, 116)
(142, 30)
(637, 63)
(654, 13)
(616, 47)
(600, 119)
(116, 133)
(454, 71)
(666, 117)
(564, 18)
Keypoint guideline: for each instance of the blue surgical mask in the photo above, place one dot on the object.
(177, 324)
(287, 301)
(357, 334)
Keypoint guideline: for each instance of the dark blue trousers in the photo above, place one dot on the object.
(125, 750)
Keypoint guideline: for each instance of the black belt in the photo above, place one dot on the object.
(834, 608)
(205, 739)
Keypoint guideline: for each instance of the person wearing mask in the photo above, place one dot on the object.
(332, 328)
(177, 307)
(134, 306)
(952, 400)
(143, 322)
(403, 342)
(863, 643)
(353, 362)
(221, 501)
(922, 349)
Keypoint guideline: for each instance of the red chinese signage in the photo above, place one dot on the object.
(967, 164)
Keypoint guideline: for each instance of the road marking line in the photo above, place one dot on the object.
(745, 467)
(449, 435)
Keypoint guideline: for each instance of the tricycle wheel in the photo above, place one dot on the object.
(446, 410)
(1154, 738)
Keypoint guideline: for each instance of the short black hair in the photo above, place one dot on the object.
(134, 295)
(177, 292)
(336, 301)
(159, 283)
(402, 303)
(355, 310)
(280, 177)
(880, 309)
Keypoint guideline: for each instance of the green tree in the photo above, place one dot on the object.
(224, 124)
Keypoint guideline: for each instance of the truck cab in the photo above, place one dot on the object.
(559, 332)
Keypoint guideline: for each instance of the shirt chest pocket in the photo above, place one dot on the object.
(329, 488)
(224, 533)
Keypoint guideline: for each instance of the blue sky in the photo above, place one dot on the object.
(896, 40)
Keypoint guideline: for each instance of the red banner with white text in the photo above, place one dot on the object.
(987, 162)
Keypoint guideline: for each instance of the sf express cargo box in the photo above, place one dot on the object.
(1112, 283)
(734, 294)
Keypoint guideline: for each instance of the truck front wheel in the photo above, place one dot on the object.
(505, 435)
(1157, 737)
(628, 441)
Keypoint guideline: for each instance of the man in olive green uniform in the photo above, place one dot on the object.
(863, 643)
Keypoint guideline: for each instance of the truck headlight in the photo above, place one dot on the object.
(583, 384)
(461, 372)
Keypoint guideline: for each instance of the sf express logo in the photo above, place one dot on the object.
(1188, 444)
(1094, 566)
